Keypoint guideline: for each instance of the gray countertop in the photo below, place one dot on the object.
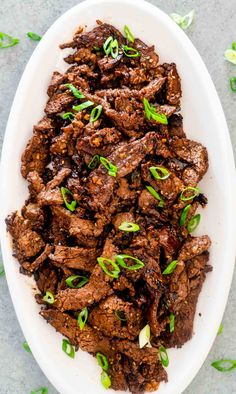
(212, 32)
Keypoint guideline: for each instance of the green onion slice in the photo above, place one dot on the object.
(120, 259)
(230, 55)
(193, 223)
(68, 348)
(144, 336)
(69, 205)
(96, 48)
(129, 227)
(233, 84)
(170, 268)
(114, 49)
(102, 361)
(68, 115)
(26, 347)
(130, 52)
(106, 45)
(120, 315)
(172, 322)
(40, 390)
(156, 195)
(184, 215)
(49, 298)
(2, 272)
(81, 283)
(128, 34)
(224, 365)
(183, 21)
(34, 36)
(163, 356)
(75, 91)
(233, 46)
(7, 41)
(94, 162)
(103, 262)
(82, 318)
(112, 169)
(95, 113)
(82, 106)
(193, 191)
(155, 172)
(220, 329)
(105, 380)
(151, 113)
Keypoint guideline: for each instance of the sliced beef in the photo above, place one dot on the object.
(36, 154)
(173, 88)
(74, 257)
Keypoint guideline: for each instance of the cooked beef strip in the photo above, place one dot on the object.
(53, 243)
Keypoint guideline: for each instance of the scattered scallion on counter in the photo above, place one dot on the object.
(128, 34)
(220, 329)
(102, 361)
(49, 298)
(193, 223)
(130, 52)
(189, 193)
(183, 21)
(129, 227)
(172, 322)
(120, 315)
(104, 263)
(83, 106)
(95, 113)
(159, 172)
(7, 41)
(144, 336)
(156, 195)
(71, 205)
(40, 390)
(77, 93)
(105, 380)
(94, 162)
(230, 55)
(120, 259)
(2, 272)
(68, 348)
(163, 356)
(34, 36)
(224, 365)
(26, 347)
(111, 168)
(73, 282)
(184, 215)
(170, 268)
(68, 115)
(232, 82)
(151, 113)
(82, 318)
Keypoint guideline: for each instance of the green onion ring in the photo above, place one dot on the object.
(144, 336)
(102, 261)
(40, 390)
(195, 193)
(68, 115)
(119, 258)
(128, 34)
(94, 162)
(10, 41)
(26, 347)
(129, 227)
(82, 318)
(154, 171)
(172, 322)
(105, 380)
(106, 45)
(233, 84)
(163, 356)
(2, 271)
(102, 361)
(151, 113)
(112, 169)
(120, 315)
(114, 48)
(68, 348)
(220, 329)
(49, 298)
(230, 55)
(184, 215)
(81, 283)
(95, 113)
(219, 365)
(34, 36)
(83, 106)
(193, 223)
(75, 91)
(130, 52)
(69, 205)
(156, 195)
(233, 46)
(170, 268)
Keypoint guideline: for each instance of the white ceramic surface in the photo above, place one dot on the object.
(203, 121)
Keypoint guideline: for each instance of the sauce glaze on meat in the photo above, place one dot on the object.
(51, 243)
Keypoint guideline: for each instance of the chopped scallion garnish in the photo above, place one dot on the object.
(129, 227)
(144, 336)
(224, 365)
(120, 259)
(172, 322)
(184, 215)
(68, 348)
(65, 193)
(164, 173)
(75, 91)
(106, 45)
(68, 115)
(170, 268)
(49, 298)
(73, 282)
(189, 193)
(82, 318)
(103, 262)
(111, 46)
(128, 34)
(40, 390)
(156, 195)
(7, 41)
(83, 106)
(105, 380)
(193, 223)
(233, 84)
(230, 55)
(130, 52)
(163, 356)
(112, 169)
(120, 315)
(34, 36)
(151, 113)
(94, 162)
(26, 347)
(183, 21)
(95, 113)
(102, 361)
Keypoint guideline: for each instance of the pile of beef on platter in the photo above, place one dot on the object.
(53, 242)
